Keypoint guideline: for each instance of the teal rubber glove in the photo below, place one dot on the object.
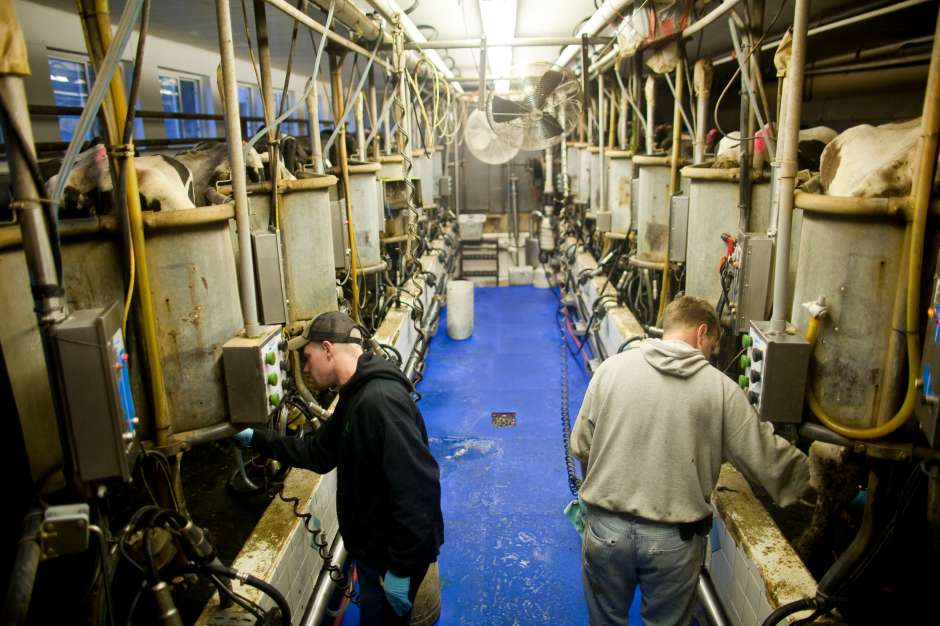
(574, 511)
(243, 438)
(396, 590)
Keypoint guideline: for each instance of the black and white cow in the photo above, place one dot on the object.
(164, 182)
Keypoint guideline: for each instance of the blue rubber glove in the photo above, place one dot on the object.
(396, 590)
(243, 438)
(574, 511)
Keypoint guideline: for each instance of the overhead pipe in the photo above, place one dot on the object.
(839, 23)
(787, 163)
(515, 42)
(316, 26)
(233, 131)
(607, 13)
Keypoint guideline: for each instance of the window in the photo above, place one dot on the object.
(182, 94)
(72, 78)
(127, 69)
(290, 128)
(249, 105)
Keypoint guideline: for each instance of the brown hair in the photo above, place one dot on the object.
(687, 311)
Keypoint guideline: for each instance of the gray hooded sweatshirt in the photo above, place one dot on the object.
(656, 424)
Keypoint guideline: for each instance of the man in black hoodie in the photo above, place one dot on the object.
(388, 495)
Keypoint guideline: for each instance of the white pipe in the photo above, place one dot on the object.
(233, 133)
(749, 88)
(786, 170)
(313, 109)
(609, 11)
(565, 183)
(702, 87)
(622, 122)
(855, 19)
(360, 127)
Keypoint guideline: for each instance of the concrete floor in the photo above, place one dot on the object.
(510, 556)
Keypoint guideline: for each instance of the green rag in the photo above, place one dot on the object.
(574, 511)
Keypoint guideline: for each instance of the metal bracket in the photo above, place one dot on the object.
(64, 530)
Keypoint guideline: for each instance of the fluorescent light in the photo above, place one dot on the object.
(499, 25)
(59, 79)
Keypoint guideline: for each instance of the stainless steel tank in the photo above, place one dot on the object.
(713, 210)
(306, 238)
(197, 309)
(856, 265)
(573, 166)
(619, 177)
(595, 157)
(652, 208)
(392, 166)
(364, 194)
(582, 193)
(437, 170)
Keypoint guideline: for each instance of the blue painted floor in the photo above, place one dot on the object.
(510, 556)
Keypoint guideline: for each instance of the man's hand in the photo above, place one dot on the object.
(396, 590)
(243, 438)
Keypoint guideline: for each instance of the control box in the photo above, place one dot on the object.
(928, 391)
(254, 375)
(99, 408)
(775, 365)
(751, 290)
(269, 277)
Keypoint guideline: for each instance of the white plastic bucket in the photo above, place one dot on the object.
(471, 226)
(459, 309)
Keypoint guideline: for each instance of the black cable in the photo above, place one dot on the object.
(241, 601)
(574, 483)
(626, 343)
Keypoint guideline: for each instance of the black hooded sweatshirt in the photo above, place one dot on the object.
(388, 495)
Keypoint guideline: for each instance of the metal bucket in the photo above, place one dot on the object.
(652, 208)
(713, 210)
(197, 309)
(306, 240)
(856, 265)
(619, 188)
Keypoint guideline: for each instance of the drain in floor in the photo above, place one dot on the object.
(503, 419)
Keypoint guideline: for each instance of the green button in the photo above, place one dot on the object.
(275, 399)
(746, 341)
(272, 379)
(742, 380)
(745, 361)
(270, 358)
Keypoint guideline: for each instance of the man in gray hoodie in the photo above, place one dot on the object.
(655, 426)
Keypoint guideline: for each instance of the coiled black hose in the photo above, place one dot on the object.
(788, 609)
(574, 483)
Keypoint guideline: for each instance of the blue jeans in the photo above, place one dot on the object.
(622, 552)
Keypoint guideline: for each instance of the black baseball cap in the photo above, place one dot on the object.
(333, 326)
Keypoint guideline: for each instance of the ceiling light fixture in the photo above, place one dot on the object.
(499, 25)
